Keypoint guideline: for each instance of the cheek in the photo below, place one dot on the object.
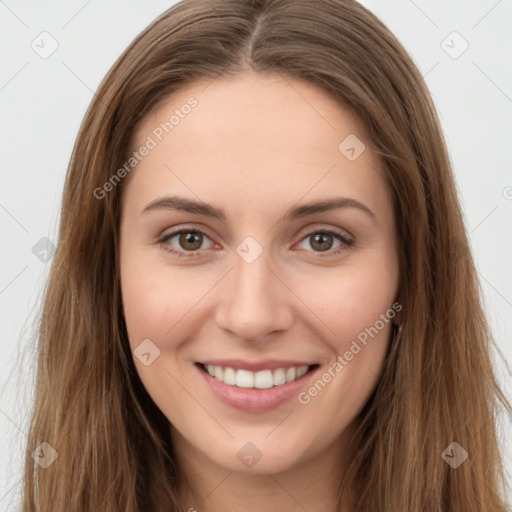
(157, 301)
(157, 306)
(145, 306)
(350, 299)
(357, 306)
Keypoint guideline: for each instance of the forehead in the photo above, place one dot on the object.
(251, 108)
(254, 135)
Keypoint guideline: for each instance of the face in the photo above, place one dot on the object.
(254, 284)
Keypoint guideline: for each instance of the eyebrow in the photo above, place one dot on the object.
(295, 212)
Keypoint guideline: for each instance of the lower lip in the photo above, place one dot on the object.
(252, 399)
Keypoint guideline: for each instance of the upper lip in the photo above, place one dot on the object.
(255, 366)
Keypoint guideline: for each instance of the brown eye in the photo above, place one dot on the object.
(190, 240)
(321, 241)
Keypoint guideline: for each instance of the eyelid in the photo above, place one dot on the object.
(343, 233)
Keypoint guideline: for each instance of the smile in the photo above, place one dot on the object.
(252, 386)
(263, 379)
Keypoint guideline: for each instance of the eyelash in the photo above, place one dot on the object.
(346, 242)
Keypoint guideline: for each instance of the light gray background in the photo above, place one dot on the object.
(42, 103)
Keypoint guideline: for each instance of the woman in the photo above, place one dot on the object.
(263, 296)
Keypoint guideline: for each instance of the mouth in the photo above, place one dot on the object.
(263, 379)
(255, 387)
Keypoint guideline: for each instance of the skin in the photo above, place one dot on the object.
(255, 146)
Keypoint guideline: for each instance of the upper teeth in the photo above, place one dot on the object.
(260, 380)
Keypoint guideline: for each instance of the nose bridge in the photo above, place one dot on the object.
(254, 301)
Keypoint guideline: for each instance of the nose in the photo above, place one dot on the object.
(254, 300)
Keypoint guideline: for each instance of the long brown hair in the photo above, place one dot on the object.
(438, 384)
